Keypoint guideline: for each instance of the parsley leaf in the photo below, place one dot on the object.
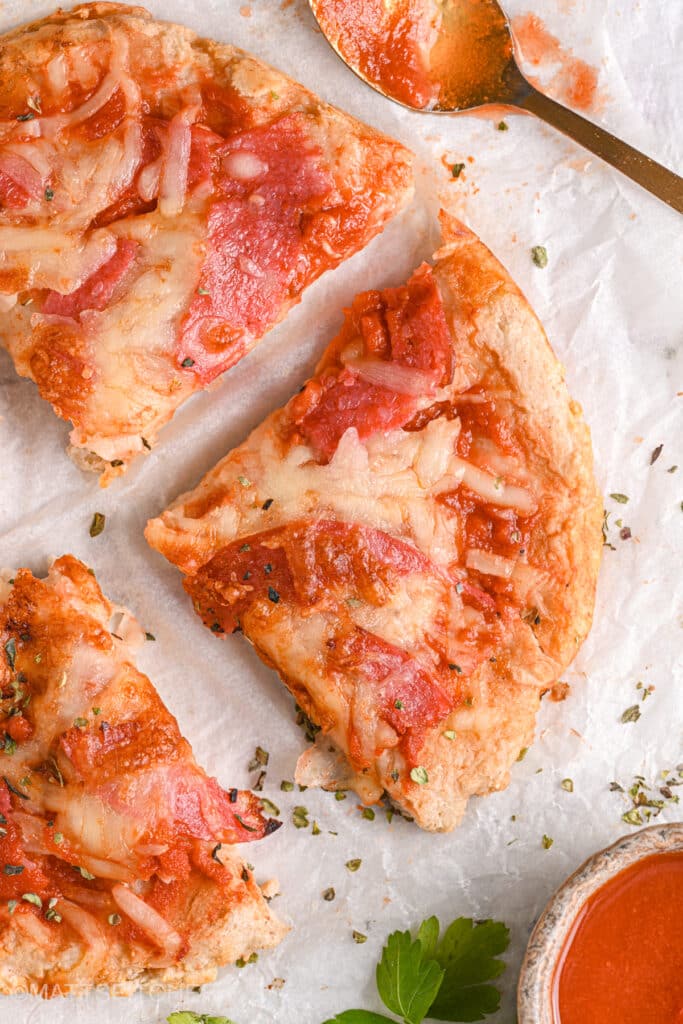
(467, 954)
(406, 982)
(428, 934)
(190, 1017)
(359, 1017)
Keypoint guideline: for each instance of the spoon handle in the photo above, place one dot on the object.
(658, 180)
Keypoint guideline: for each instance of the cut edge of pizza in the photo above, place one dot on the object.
(117, 865)
(413, 542)
(165, 200)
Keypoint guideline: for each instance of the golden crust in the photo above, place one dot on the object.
(500, 345)
(221, 934)
(493, 323)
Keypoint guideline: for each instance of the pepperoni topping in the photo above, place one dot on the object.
(136, 766)
(98, 751)
(327, 408)
(19, 872)
(107, 119)
(408, 696)
(304, 562)
(266, 178)
(405, 327)
(96, 292)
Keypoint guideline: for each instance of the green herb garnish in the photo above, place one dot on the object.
(97, 524)
(539, 255)
(269, 807)
(443, 979)
(190, 1017)
(300, 817)
(11, 652)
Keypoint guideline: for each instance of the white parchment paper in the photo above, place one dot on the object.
(611, 299)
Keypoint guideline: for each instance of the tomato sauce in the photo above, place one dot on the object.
(390, 47)
(623, 961)
(449, 55)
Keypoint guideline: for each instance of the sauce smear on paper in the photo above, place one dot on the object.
(573, 81)
(623, 960)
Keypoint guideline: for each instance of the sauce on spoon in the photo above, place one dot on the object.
(427, 54)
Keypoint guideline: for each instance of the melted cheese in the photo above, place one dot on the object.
(133, 341)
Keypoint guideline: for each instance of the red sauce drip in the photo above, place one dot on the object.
(623, 961)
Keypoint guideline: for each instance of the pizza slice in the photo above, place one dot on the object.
(164, 201)
(413, 541)
(116, 865)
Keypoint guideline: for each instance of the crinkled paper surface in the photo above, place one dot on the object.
(611, 298)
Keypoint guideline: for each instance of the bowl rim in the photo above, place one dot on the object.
(534, 989)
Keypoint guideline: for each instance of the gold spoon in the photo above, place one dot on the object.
(471, 64)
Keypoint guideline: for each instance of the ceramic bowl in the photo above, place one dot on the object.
(534, 993)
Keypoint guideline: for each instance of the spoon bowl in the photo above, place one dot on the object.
(453, 56)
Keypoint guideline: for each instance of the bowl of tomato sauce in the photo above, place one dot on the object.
(608, 948)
